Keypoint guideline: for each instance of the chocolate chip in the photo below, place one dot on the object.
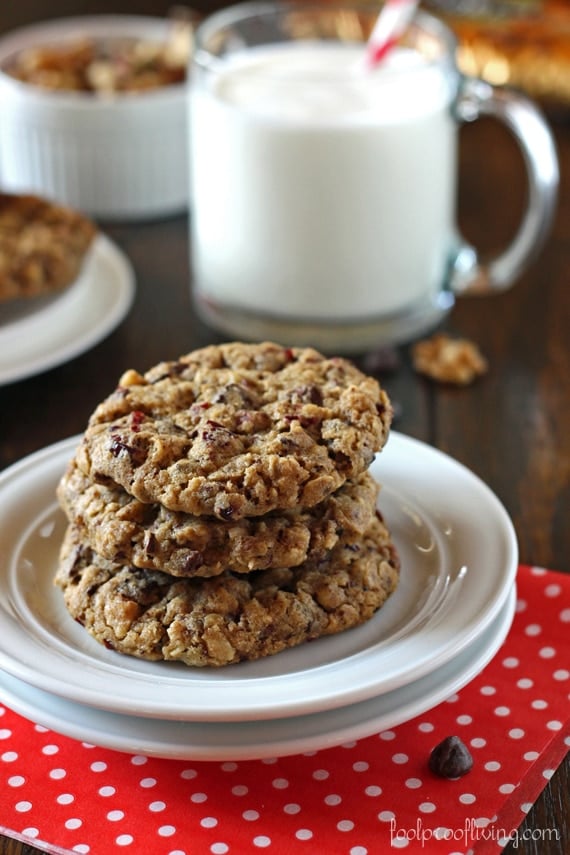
(451, 758)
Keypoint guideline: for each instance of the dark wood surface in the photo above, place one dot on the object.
(512, 427)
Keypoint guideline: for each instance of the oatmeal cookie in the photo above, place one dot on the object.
(238, 430)
(227, 618)
(42, 246)
(121, 528)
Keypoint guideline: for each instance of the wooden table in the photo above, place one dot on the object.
(512, 427)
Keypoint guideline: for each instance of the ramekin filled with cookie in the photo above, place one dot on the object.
(94, 114)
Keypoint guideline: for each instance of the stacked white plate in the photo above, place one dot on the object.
(449, 616)
(38, 334)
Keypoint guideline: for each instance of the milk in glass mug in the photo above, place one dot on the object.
(324, 192)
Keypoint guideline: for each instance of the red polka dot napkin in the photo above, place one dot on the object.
(362, 798)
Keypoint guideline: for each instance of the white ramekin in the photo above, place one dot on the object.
(123, 157)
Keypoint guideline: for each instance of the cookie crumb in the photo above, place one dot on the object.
(449, 360)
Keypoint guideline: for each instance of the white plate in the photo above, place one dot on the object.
(459, 559)
(71, 323)
(248, 740)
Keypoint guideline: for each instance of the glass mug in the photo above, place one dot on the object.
(324, 193)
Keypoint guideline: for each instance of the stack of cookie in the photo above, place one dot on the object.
(220, 508)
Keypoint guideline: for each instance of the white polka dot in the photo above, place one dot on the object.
(487, 690)
(386, 815)
(157, 807)
(107, 791)
(345, 825)
(283, 783)
(399, 842)
(373, 791)
(57, 774)
(5, 734)
(240, 790)
(565, 615)
(348, 745)
(73, 823)
(425, 726)
(303, 834)
(228, 766)
(561, 674)
(387, 735)
(538, 571)
(463, 719)
(269, 761)
(548, 773)
(65, 799)
(426, 807)
(526, 806)
(319, 775)
(361, 766)
(506, 788)
(23, 807)
(521, 606)
(262, 841)
(554, 725)
(81, 849)
(492, 766)
(467, 798)
(539, 704)
(148, 782)
(511, 662)
(358, 850)
(452, 699)
(478, 742)
(530, 755)
(292, 808)
(502, 711)
(525, 683)
(533, 629)
(219, 848)
(50, 749)
(516, 733)
(250, 815)
(31, 832)
(198, 798)
(9, 757)
(332, 799)
(167, 830)
(547, 652)
(208, 822)
(553, 590)
(115, 815)
(98, 767)
(413, 783)
(400, 758)
(139, 760)
(188, 774)
(16, 781)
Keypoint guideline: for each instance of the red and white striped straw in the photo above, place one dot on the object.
(392, 22)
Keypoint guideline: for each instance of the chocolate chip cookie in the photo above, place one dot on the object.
(227, 618)
(238, 430)
(121, 528)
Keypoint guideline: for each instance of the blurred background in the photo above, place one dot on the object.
(525, 43)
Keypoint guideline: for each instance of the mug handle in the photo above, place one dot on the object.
(479, 98)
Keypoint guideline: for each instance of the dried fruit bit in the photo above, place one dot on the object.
(449, 360)
(451, 758)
